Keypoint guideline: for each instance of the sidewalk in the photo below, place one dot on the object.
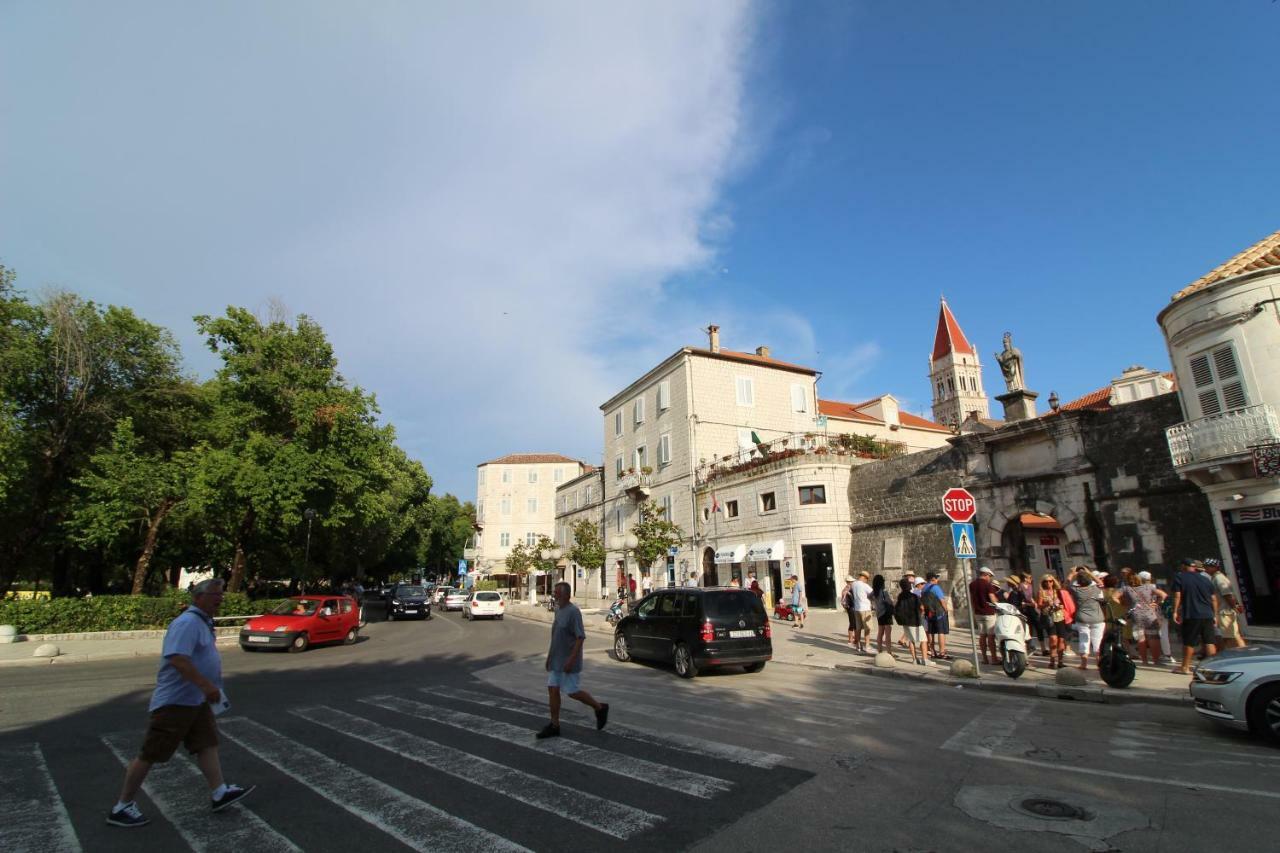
(105, 645)
(823, 643)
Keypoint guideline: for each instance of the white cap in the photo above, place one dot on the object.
(985, 570)
(849, 578)
(1146, 576)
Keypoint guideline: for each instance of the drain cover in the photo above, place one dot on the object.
(1053, 809)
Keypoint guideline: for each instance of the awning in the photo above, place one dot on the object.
(731, 554)
(765, 551)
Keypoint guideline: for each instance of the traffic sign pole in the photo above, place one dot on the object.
(960, 506)
(973, 618)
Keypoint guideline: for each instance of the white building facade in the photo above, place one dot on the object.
(582, 499)
(1223, 334)
(515, 502)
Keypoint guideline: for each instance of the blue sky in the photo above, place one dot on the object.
(501, 212)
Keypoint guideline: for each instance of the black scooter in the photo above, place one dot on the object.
(1114, 664)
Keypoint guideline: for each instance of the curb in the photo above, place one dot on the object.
(87, 657)
(149, 634)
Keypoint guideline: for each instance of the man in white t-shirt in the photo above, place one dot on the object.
(647, 584)
(862, 610)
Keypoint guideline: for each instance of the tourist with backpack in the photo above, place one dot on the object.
(882, 605)
(908, 613)
(937, 617)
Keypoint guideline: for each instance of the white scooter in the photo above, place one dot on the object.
(1012, 635)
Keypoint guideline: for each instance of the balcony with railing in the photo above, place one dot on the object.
(799, 447)
(636, 484)
(1232, 433)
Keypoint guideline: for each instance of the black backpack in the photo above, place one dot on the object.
(904, 612)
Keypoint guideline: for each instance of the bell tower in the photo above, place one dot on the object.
(955, 373)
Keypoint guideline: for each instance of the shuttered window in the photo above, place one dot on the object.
(664, 450)
(746, 391)
(799, 400)
(1219, 387)
(664, 395)
(637, 410)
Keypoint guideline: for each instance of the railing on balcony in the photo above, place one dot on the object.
(1217, 436)
(636, 484)
(814, 444)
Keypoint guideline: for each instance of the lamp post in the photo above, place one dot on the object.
(310, 515)
(623, 544)
(554, 555)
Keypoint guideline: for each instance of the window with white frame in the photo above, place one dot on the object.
(504, 540)
(730, 509)
(799, 399)
(571, 501)
(666, 507)
(481, 476)
(617, 422)
(768, 502)
(642, 457)
(531, 505)
(530, 540)
(480, 509)
(664, 395)
(533, 476)
(557, 475)
(1219, 387)
(746, 446)
(506, 475)
(617, 467)
(746, 391)
(637, 410)
(664, 449)
(617, 520)
(506, 506)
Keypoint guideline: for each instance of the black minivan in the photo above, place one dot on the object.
(696, 628)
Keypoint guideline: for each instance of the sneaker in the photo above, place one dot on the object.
(233, 794)
(551, 730)
(602, 716)
(127, 816)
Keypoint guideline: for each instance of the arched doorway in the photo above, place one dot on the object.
(709, 576)
(1035, 543)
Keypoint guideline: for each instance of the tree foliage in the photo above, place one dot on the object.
(588, 549)
(654, 534)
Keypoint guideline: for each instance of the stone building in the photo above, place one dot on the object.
(515, 502)
(955, 374)
(582, 499)
(1223, 334)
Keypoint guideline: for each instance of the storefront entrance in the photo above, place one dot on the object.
(709, 575)
(1255, 554)
(819, 575)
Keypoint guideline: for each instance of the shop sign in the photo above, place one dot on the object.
(1256, 514)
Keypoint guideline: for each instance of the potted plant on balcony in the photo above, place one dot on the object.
(646, 470)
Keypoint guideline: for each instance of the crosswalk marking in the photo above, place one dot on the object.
(419, 825)
(616, 819)
(684, 781)
(711, 749)
(178, 789)
(811, 713)
(28, 801)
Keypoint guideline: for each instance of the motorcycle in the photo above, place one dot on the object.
(1012, 635)
(615, 614)
(1114, 664)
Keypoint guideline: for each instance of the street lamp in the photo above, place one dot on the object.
(623, 544)
(310, 516)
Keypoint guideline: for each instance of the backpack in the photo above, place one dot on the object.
(932, 601)
(846, 600)
(904, 612)
(884, 604)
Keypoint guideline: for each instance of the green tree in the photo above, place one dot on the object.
(654, 535)
(588, 549)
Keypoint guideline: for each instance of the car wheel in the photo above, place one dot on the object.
(791, 617)
(300, 643)
(754, 667)
(1264, 712)
(685, 667)
(621, 648)
(350, 638)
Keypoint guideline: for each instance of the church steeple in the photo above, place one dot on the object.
(955, 373)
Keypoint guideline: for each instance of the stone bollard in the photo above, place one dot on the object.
(47, 650)
(961, 668)
(886, 660)
(1070, 677)
(8, 634)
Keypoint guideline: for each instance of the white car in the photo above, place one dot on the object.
(1240, 688)
(486, 605)
(453, 599)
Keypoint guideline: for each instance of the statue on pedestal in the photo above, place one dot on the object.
(1010, 360)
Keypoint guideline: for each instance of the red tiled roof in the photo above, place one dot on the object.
(529, 459)
(917, 422)
(853, 412)
(1099, 401)
(949, 338)
(1261, 255)
(1042, 522)
(752, 358)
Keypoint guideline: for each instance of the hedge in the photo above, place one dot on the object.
(114, 612)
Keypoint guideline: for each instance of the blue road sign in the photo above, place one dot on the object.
(962, 537)
(462, 567)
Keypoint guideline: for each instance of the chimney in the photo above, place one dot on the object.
(763, 352)
(714, 333)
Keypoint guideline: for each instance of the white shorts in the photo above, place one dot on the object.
(1090, 636)
(914, 634)
(566, 681)
(986, 625)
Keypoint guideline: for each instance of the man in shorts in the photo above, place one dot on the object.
(937, 618)
(982, 597)
(1227, 622)
(1195, 603)
(189, 682)
(564, 663)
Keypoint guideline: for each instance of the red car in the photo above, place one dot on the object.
(298, 622)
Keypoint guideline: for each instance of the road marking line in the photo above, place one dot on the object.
(26, 793)
(616, 819)
(711, 749)
(1133, 777)
(640, 769)
(807, 713)
(177, 788)
(1172, 745)
(417, 824)
(1002, 717)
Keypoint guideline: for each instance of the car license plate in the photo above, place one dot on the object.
(739, 634)
(259, 639)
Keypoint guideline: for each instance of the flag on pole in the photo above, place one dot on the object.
(715, 506)
(760, 445)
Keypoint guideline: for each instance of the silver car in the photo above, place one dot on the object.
(1241, 688)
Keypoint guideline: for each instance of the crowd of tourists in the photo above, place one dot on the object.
(1200, 611)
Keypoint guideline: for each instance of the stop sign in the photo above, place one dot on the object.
(959, 505)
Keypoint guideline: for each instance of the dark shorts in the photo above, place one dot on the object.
(853, 621)
(884, 620)
(1060, 629)
(1197, 632)
(938, 624)
(189, 725)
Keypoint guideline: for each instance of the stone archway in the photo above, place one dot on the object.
(992, 537)
(709, 575)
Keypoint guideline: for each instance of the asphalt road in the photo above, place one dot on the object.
(421, 736)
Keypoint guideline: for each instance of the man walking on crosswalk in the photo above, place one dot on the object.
(188, 684)
(564, 662)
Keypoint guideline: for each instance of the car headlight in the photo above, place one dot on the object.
(395, 601)
(1210, 676)
(280, 629)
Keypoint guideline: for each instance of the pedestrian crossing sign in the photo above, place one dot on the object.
(962, 537)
